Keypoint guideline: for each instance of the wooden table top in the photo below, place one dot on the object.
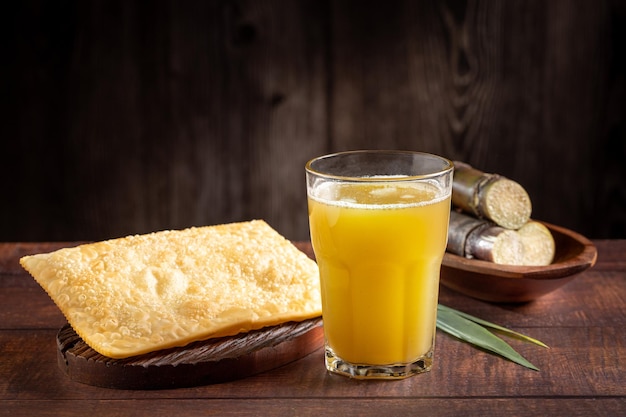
(582, 374)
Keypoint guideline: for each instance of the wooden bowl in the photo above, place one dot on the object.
(509, 283)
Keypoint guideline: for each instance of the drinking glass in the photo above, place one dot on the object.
(379, 224)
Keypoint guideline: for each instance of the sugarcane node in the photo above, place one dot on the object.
(460, 227)
(497, 245)
(481, 239)
(482, 194)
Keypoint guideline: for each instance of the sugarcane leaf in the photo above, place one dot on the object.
(477, 335)
(486, 323)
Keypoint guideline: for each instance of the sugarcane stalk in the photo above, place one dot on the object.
(490, 196)
(530, 245)
(475, 238)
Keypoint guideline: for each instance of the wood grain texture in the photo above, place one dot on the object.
(511, 87)
(126, 117)
(581, 374)
(460, 371)
(199, 363)
(166, 116)
(366, 407)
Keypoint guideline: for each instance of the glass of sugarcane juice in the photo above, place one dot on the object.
(379, 222)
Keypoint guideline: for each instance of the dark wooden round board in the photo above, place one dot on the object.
(199, 363)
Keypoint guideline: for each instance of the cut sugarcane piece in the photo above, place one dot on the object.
(490, 196)
(480, 239)
(538, 242)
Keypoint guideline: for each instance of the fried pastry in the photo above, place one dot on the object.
(142, 293)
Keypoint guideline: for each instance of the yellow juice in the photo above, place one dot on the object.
(379, 248)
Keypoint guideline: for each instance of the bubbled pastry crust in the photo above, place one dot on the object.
(142, 293)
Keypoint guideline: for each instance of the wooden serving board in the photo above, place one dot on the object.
(199, 363)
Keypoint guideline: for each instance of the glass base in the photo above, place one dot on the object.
(365, 371)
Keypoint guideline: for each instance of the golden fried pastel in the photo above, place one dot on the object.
(141, 293)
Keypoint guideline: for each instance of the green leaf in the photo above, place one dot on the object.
(494, 326)
(464, 329)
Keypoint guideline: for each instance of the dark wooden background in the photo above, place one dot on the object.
(123, 117)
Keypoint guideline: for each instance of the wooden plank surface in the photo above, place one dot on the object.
(366, 407)
(129, 117)
(581, 374)
(581, 363)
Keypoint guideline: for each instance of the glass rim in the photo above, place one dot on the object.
(309, 169)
